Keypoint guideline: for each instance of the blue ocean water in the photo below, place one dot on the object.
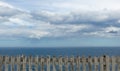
(84, 51)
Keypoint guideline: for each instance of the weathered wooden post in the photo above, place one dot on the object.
(118, 63)
(66, 63)
(84, 63)
(12, 63)
(24, 63)
(107, 63)
(72, 63)
(96, 63)
(60, 62)
(18, 63)
(36, 63)
(113, 62)
(1, 62)
(6, 63)
(30, 63)
(104, 63)
(77, 63)
(21, 61)
(54, 63)
(48, 60)
(101, 63)
(42, 63)
(90, 63)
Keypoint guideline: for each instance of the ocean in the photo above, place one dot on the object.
(81, 51)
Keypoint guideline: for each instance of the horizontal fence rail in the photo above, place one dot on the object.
(52, 63)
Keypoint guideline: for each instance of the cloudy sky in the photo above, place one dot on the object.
(59, 23)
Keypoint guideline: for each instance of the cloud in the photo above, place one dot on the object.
(110, 31)
(16, 22)
(94, 17)
(69, 5)
(42, 30)
(2, 4)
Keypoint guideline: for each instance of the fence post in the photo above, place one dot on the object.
(42, 63)
(66, 63)
(18, 63)
(30, 63)
(107, 63)
(24, 63)
(36, 63)
(48, 60)
(101, 63)
(90, 62)
(21, 60)
(1, 62)
(6, 63)
(72, 63)
(12, 63)
(118, 62)
(113, 62)
(78, 63)
(60, 62)
(83, 63)
(96, 63)
(54, 63)
(104, 63)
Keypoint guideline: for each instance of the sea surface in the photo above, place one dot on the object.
(81, 51)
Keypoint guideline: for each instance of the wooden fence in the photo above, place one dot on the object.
(47, 63)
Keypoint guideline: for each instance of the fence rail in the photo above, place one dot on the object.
(52, 63)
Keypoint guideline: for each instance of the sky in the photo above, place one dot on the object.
(59, 23)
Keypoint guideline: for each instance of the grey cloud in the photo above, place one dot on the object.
(6, 11)
(19, 23)
(99, 18)
(110, 31)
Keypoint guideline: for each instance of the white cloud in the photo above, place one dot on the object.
(118, 21)
(47, 31)
(2, 4)
(23, 24)
(110, 31)
(112, 28)
(19, 23)
(73, 5)
(102, 17)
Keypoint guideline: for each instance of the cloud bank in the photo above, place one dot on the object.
(15, 22)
